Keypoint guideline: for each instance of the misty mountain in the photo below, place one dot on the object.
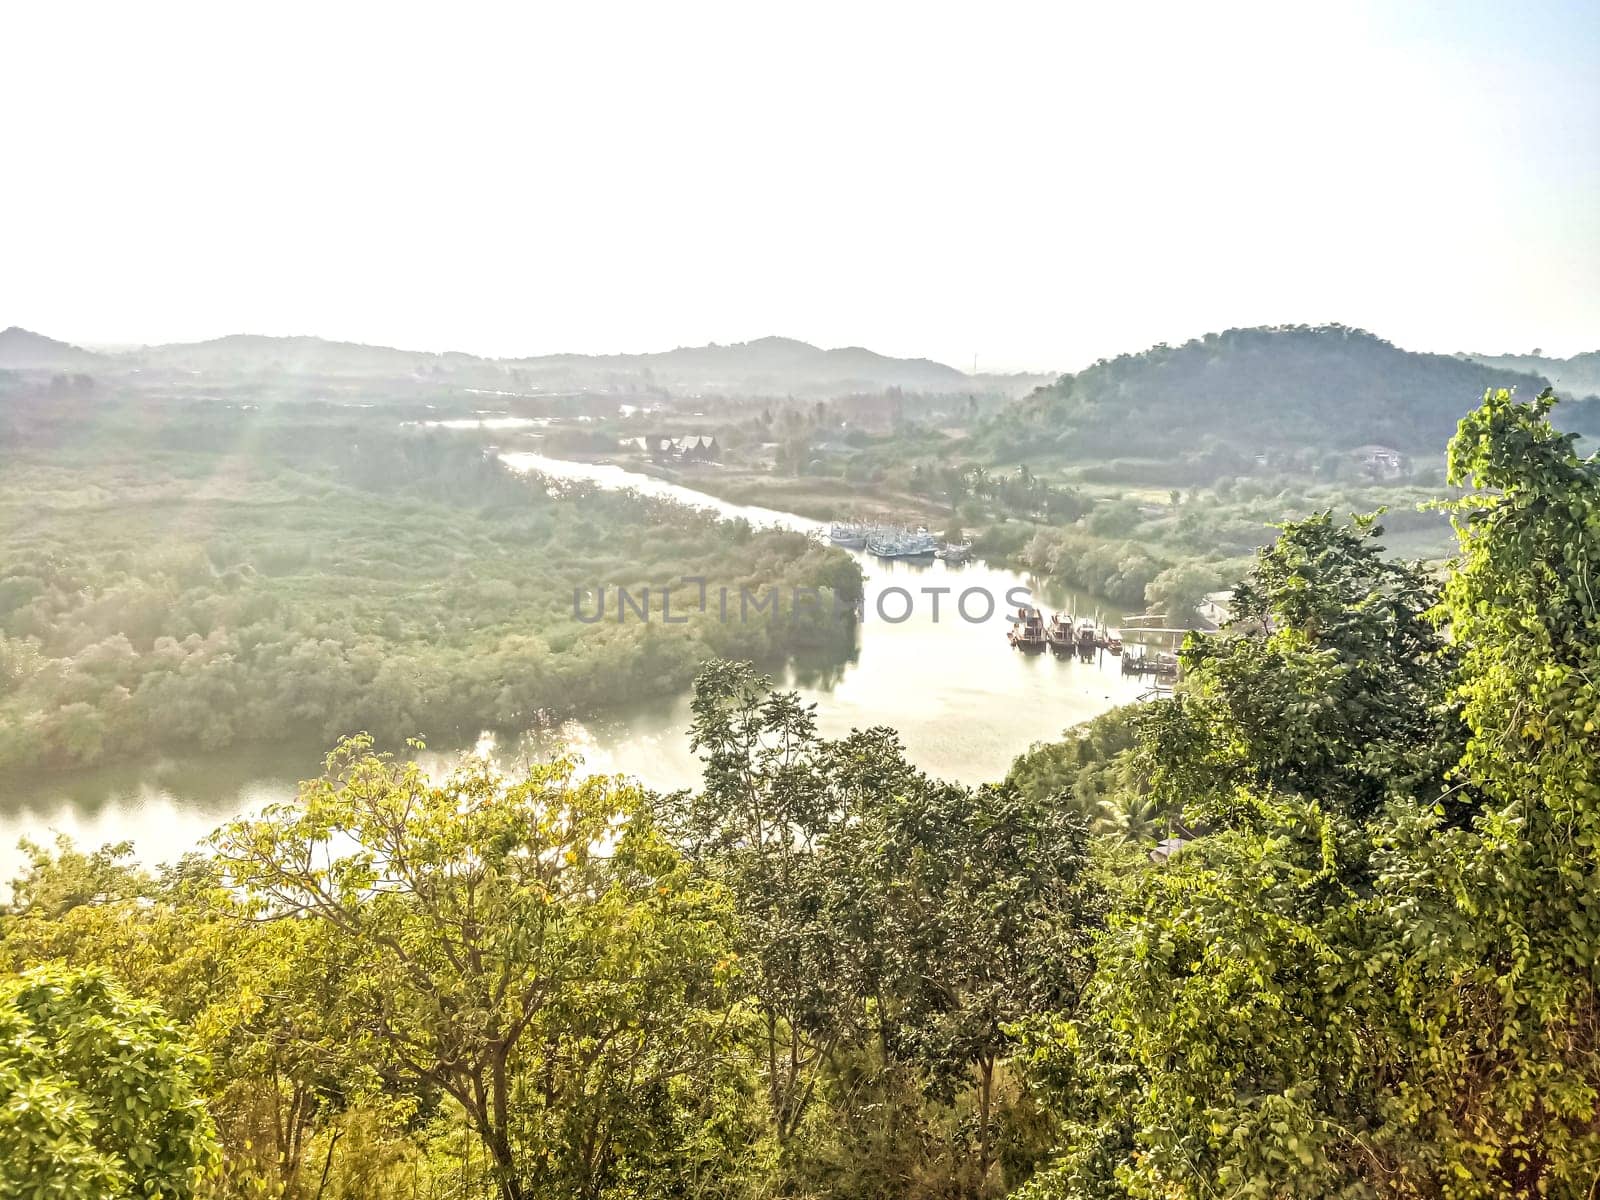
(766, 366)
(252, 353)
(770, 366)
(1575, 376)
(1327, 387)
(22, 349)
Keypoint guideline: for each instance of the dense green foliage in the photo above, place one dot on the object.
(98, 1093)
(1252, 389)
(892, 928)
(1369, 971)
(1576, 378)
(1376, 975)
(227, 576)
(803, 977)
(1168, 553)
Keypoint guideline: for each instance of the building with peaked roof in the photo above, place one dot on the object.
(697, 447)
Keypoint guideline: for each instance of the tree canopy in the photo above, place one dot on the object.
(1323, 922)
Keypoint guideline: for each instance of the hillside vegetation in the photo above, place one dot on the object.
(233, 576)
(769, 366)
(1574, 377)
(22, 349)
(1360, 964)
(1318, 387)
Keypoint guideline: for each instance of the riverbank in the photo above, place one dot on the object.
(815, 497)
(965, 703)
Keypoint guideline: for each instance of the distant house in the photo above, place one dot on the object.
(1216, 608)
(697, 448)
(693, 448)
(1381, 462)
(1166, 848)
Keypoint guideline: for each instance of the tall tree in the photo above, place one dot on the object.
(1510, 1022)
(1376, 976)
(533, 949)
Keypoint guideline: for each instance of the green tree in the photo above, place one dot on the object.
(892, 928)
(532, 949)
(1178, 591)
(1506, 980)
(98, 1093)
(1375, 976)
(1331, 685)
(759, 827)
(983, 896)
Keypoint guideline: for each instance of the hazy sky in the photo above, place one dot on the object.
(1037, 184)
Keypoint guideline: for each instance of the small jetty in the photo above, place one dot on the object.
(1137, 647)
(1161, 664)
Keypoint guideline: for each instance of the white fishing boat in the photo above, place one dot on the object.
(902, 544)
(847, 535)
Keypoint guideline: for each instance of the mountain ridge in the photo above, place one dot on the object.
(1252, 389)
(23, 349)
(771, 364)
(1577, 375)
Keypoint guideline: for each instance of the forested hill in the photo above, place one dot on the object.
(1577, 376)
(249, 352)
(769, 366)
(766, 365)
(22, 349)
(1329, 387)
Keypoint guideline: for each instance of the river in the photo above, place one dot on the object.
(964, 702)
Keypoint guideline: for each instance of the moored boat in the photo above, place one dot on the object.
(1162, 665)
(847, 535)
(1059, 633)
(883, 543)
(1027, 633)
(1086, 638)
(900, 543)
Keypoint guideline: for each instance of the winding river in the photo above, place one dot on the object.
(965, 704)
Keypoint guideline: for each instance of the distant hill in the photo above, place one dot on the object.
(1575, 376)
(253, 353)
(1325, 387)
(769, 365)
(22, 349)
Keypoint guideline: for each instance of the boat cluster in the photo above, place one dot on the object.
(893, 541)
(1085, 637)
(1061, 634)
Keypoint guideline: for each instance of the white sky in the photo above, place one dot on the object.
(1040, 184)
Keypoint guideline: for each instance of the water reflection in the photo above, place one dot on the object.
(964, 702)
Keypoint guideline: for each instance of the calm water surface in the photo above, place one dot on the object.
(964, 702)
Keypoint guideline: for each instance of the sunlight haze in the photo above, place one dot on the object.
(1040, 188)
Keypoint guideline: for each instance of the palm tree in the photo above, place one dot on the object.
(1131, 817)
